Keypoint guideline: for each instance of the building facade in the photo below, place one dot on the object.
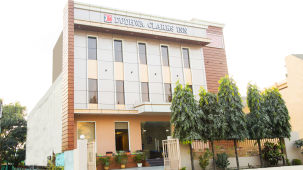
(291, 89)
(114, 73)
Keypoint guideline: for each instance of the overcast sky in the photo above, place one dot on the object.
(258, 35)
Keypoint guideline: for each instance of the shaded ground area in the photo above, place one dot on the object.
(146, 168)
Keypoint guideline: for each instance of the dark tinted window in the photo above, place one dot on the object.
(142, 53)
(92, 48)
(120, 92)
(168, 92)
(145, 92)
(186, 57)
(164, 52)
(118, 51)
(92, 91)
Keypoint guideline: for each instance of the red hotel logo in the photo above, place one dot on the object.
(108, 18)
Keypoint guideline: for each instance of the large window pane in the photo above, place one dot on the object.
(164, 52)
(120, 92)
(142, 53)
(92, 48)
(121, 135)
(92, 90)
(145, 92)
(118, 51)
(168, 92)
(86, 130)
(186, 57)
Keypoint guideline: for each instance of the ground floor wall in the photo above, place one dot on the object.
(105, 130)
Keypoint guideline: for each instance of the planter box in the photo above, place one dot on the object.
(115, 165)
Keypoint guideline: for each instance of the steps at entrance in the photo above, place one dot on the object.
(155, 162)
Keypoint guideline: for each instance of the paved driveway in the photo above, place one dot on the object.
(146, 168)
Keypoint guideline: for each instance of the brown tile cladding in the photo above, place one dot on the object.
(68, 78)
(215, 62)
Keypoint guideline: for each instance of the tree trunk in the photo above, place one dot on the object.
(282, 151)
(191, 157)
(236, 152)
(260, 152)
(213, 151)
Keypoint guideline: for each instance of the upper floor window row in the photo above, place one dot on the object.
(118, 52)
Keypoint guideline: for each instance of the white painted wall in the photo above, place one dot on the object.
(292, 151)
(44, 126)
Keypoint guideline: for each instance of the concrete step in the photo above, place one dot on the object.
(155, 162)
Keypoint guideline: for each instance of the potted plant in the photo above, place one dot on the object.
(121, 158)
(105, 161)
(139, 158)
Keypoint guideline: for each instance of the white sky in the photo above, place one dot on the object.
(258, 36)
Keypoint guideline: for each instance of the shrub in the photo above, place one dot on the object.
(296, 162)
(271, 153)
(204, 159)
(222, 160)
(121, 158)
(183, 168)
(299, 144)
(287, 162)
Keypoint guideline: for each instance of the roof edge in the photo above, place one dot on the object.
(193, 21)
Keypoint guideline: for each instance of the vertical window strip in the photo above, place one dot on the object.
(120, 99)
(186, 57)
(168, 92)
(165, 55)
(145, 92)
(142, 53)
(118, 51)
(92, 48)
(93, 91)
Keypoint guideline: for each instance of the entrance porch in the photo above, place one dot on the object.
(130, 133)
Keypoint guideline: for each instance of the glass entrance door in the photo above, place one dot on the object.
(152, 135)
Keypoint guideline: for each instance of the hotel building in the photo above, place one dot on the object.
(114, 73)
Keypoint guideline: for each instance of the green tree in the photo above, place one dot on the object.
(257, 120)
(214, 120)
(231, 103)
(185, 116)
(13, 135)
(277, 112)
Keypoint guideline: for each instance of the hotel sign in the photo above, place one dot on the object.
(145, 24)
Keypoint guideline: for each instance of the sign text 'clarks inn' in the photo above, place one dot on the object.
(119, 20)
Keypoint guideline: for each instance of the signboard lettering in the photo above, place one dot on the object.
(141, 23)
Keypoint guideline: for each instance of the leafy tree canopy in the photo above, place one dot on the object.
(231, 103)
(13, 134)
(277, 112)
(257, 120)
(214, 120)
(185, 114)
